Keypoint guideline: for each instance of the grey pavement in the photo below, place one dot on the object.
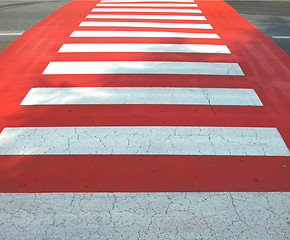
(18, 16)
(145, 216)
(270, 17)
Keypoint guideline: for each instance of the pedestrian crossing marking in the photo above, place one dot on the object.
(143, 95)
(145, 5)
(161, 10)
(135, 47)
(143, 34)
(241, 141)
(145, 24)
(136, 1)
(143, 67)
(100, 101)
(162, 17)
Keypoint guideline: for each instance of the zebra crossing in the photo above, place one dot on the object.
(142, 34)
(158, 140)
(158, 113)
(137, 47)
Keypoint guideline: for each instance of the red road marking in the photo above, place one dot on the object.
(121, 173)
(266, 69)
(140, 115)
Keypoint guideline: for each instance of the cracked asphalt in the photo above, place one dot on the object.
(142, 140)
(222, 215)
(170, 215)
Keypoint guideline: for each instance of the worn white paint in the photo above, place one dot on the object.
(143, 67)
(142, 95)
(152, 140)
(164, 17)
(154, 216)
(145, 24)
(281, 37)
(168, 10)
(11, 33)
(158, 1)
(139, 47)
(143, 34)
(145, 5)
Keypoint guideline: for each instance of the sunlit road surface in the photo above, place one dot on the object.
(144, 120)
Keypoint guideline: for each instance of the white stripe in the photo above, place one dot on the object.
(125, 1)
(143, 67)
(281, 37)
(9, 33)
(143, 215)
(136, 47)
(167, 17)
(146, 10)
(143, 140)
(145, 24)
(146, 5)
(143, 34)
(143, 95)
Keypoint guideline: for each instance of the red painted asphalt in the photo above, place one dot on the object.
(266, 68)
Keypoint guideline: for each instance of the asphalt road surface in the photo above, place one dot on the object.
(270, 17)
(18, 16)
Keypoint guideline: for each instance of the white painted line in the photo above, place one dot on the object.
(9, 33)
(144, 215)
(163, 17)
(146, 5)
(143, 67)
(281, 37)
(139, 47)
(142, 95)
(145, 24)
(143, 34)
(167, 1)
(242, 141)
(146, 10)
